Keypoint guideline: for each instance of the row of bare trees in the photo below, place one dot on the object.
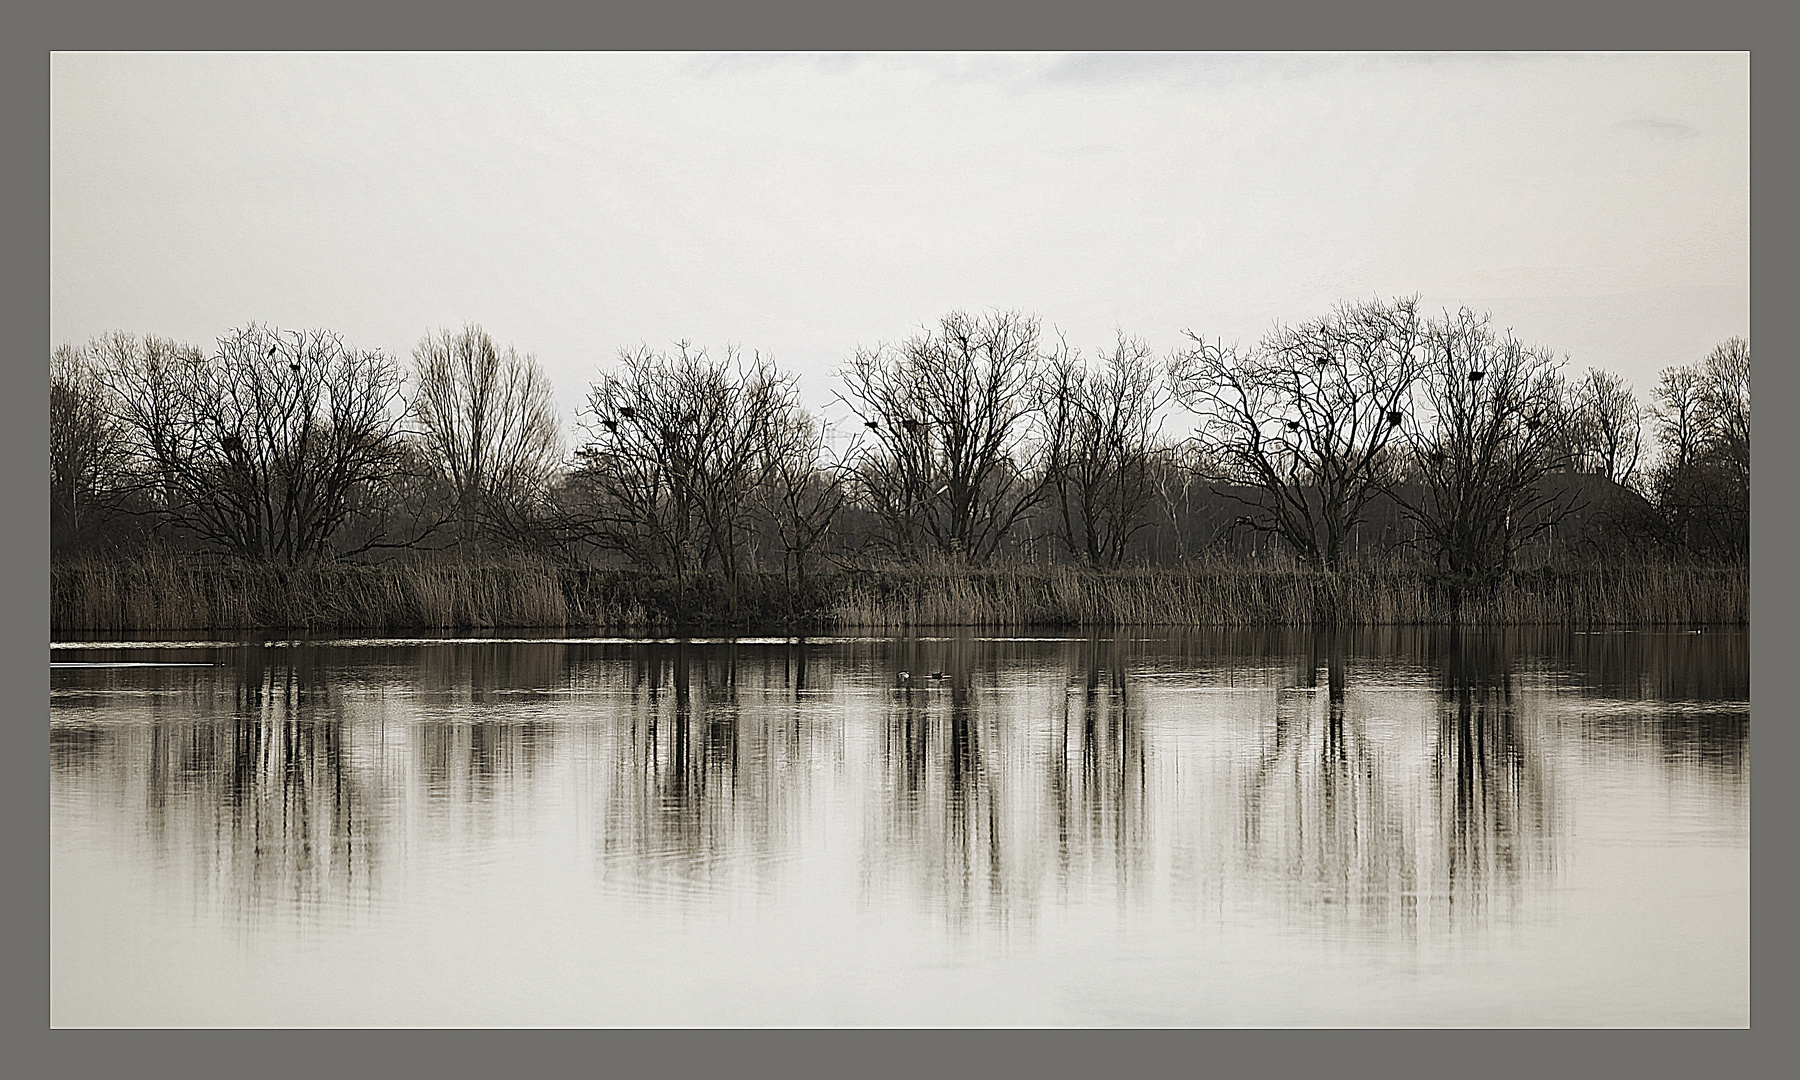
(265, 448)
(975, 438)
(286, 446)
(689, 456)
(1475, 439)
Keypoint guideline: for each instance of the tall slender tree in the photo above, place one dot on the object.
(488, 428)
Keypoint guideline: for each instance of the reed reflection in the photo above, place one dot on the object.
(489, 673)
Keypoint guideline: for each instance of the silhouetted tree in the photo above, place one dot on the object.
(1100, 434)
(87, 452)
(1299, 428)
(1701, 486)
(488, 430)
(261, 449)
(677, 443)
(947, 414)
(1602, 428)
(1481, 445)
(800, 493)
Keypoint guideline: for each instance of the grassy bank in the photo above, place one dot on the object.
(162, 594)
(168, 594)
(1251, 596)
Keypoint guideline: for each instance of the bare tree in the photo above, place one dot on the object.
(1481, 446)
(800, 493)
(1676, 410)
(151, 386)
(947, 415)
(488, 428)
(262, 448)
(1299, 429)
(1182, 494)
(87, 449)
(1725, 402)
(1100, 445)
(1702, 484)
(677, 444)
(1603, 427)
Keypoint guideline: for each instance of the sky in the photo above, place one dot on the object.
(802, 206)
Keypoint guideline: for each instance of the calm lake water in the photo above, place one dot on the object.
(1397, 827)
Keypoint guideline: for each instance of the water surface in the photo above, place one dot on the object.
(1398, 827)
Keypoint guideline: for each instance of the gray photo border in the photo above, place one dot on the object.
(335, 24)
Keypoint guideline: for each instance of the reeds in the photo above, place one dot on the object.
(160, 593)
(1236, 596)
(164, 593)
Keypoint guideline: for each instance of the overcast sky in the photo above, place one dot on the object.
(802, 205)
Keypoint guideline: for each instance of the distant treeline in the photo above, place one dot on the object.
(1370, 437)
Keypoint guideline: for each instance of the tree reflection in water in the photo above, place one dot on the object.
(934, 829)
(248, 788)
(1497, 818)
(1402, 784)
(1325, 826)
(1335, 822)
(708, 772)
(1100, 810)
(482, 726)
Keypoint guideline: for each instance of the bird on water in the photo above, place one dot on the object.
(905, 677)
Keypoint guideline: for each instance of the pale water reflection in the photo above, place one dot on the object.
(1396, 827)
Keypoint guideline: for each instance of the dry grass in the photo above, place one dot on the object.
(161, 593)
(164, 593)
(1225, 595)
